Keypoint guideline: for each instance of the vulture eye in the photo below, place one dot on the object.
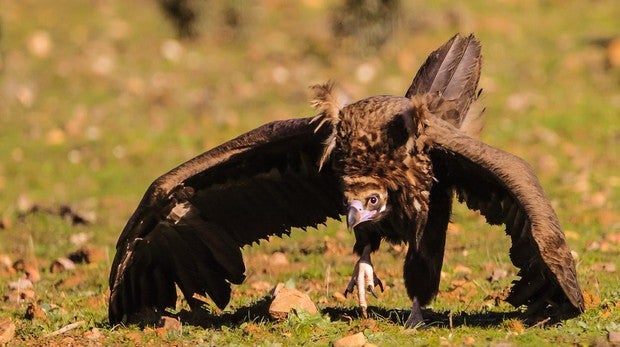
(373, 200)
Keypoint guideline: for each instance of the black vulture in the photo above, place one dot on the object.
(396, 162)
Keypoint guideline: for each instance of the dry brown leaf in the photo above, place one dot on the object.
(591, 300)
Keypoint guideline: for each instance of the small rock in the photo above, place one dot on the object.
(29, 268)
(167, 324)
(7, 330)
(276, 289)
(278, 259)
(19, 295)
(604, 267)
(6, 265)
(260, 285)
(462, 270)
(287, 299)
(497, 275)
(613, 53)
(61, 265)
(355, 340)
(34, 311)
(71, 282)
(87, 255)
(339, 296)
(79, 238)
(20, 284)
(614, 336)
(93, 334)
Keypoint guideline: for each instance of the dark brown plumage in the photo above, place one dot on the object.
(396, 161)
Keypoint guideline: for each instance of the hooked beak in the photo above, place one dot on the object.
(357, 214)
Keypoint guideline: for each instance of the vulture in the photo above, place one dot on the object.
(390, 165)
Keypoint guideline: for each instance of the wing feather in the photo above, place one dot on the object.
(482, 175)
(192, 221)
(452, 71)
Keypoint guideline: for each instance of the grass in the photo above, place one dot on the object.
(98, 99)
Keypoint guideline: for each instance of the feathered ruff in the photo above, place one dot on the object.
(329, 108)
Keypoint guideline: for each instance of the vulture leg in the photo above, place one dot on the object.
(415, 317)
(365, 279)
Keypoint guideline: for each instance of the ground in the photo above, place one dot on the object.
(99, 98)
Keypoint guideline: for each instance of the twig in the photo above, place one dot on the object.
(541, 323)
(66, 328)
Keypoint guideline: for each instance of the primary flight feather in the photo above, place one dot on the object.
(397, 162)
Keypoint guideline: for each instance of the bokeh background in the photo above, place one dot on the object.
(99, 97)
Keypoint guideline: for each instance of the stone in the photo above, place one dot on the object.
(288, 299)
(355, 340)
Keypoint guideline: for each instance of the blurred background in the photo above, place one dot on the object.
(99, 97)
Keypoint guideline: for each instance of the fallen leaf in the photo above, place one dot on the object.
(355, 340)
(614, 336)
(591, 300)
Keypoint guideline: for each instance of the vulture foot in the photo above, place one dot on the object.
(364, 279)
(415, 317)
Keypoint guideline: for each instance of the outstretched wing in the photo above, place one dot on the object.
(192, 221)
(504, 188)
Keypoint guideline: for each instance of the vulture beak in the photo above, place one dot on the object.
(357, 214)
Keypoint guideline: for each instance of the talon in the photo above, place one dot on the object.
(365, 280)
(372, 291)
(379, 283)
